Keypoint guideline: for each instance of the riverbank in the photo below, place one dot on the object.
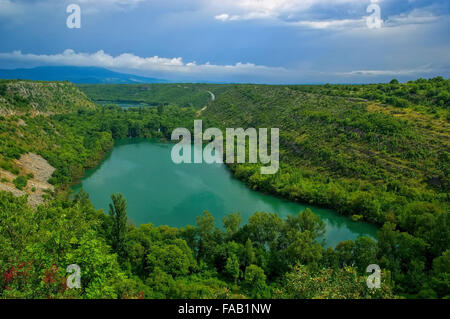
(164, 193)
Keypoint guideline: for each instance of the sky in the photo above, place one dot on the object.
(242, 41)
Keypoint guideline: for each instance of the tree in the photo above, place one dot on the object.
(232, 223)
(344, 251)
(232, 268)
(175, 258)
(255, 282)
(440, 279)
(304, 249)
(394, 81)
(206, 232)
(160, 109)
(306, 220)
(82, 197)
(439, 235)
(249, 253)
(205, 225)
(100, 270)
(264, 228)
(118, 213)
(364, 253)
(303, 283)
(404, 255)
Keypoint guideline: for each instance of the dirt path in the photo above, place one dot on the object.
(213, 97)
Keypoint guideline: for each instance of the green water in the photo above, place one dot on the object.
(164, 193)
(124, 104)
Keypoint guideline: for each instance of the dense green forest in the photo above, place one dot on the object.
(184, 95)
(344, 147)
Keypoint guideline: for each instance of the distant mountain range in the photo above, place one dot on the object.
(86, 75)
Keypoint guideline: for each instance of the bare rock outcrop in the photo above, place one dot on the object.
(37, 186)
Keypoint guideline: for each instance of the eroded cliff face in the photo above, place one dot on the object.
(40, 171)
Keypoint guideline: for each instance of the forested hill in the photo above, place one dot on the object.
(17, 96)
(183, 94)
(374, 161)
(431, 94)
(366, 158)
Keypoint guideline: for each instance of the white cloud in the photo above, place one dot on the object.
(274, 7)
(399, 72)
(249, 16)
(222, 17)
(301, 13)
(263, 9)
(178, 70)
(331, 24)
(413, 17)
(130, 61)
(289, 11)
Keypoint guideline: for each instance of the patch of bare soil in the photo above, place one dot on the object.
(37, 186)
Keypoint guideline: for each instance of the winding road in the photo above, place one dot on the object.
(213, 97)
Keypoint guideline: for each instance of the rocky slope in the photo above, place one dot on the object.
(20, 97)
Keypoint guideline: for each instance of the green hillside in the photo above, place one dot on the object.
(41, 97)
(432, 94)
(148, 94)
(359, 157)
(366, 158)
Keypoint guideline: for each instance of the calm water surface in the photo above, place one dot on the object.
(164, 193)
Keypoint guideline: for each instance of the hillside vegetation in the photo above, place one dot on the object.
(372, 161)
(358, 157)
(74, 135)
(17, 96)
(430, 95)
(184, 95)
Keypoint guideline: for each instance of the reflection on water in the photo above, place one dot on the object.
(164, 193)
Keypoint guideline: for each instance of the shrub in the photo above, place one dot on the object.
(20, 182)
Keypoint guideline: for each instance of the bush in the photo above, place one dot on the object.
(20, 182)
